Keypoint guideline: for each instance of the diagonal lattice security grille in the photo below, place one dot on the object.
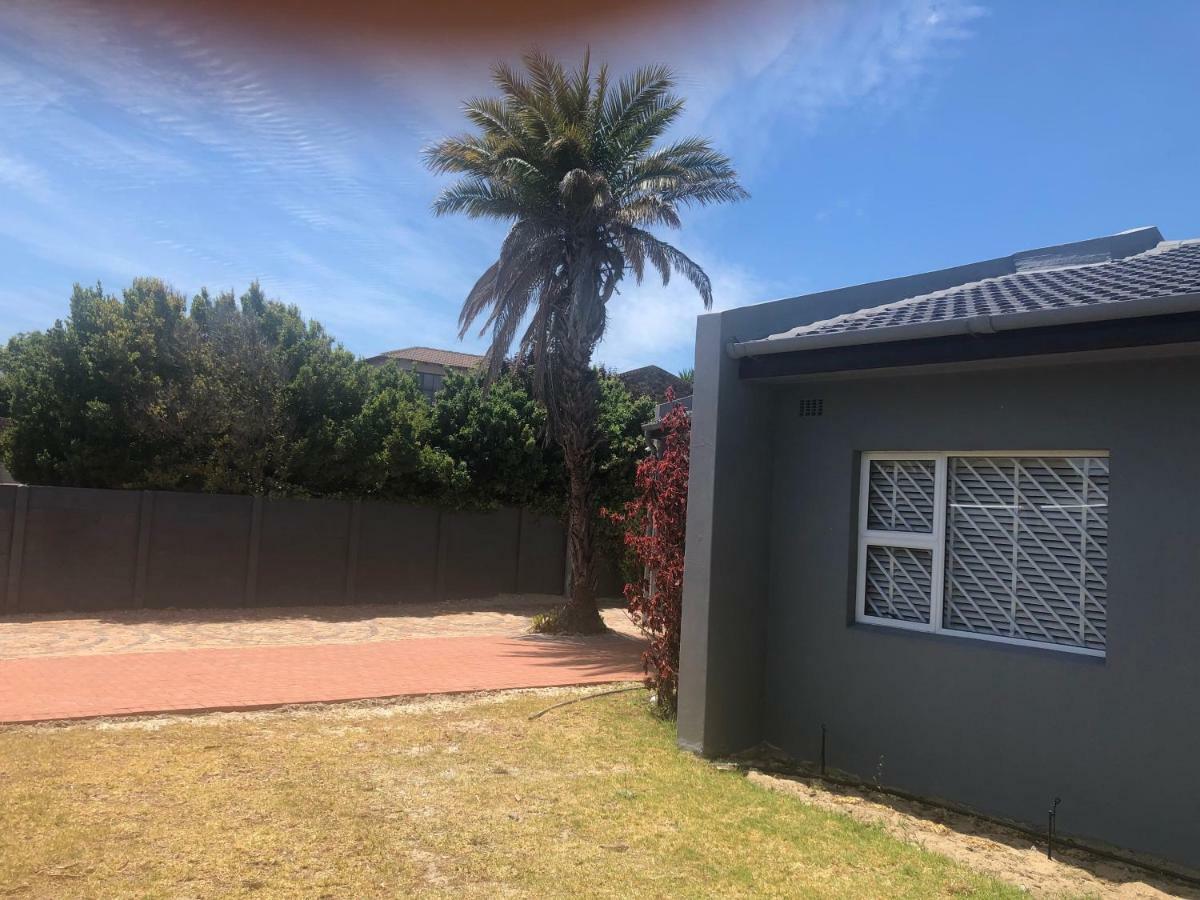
(1009, 547)
(1026, 548)
(900, 495)
(899, 583)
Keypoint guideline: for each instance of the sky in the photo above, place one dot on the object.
(876, 139)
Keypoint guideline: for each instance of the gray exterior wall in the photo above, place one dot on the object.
(721, 674)
(770, 648)
(82, 550)
(1001, 728)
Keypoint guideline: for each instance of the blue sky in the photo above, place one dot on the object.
(876, 139)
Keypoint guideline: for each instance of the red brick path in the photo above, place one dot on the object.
(72, 687)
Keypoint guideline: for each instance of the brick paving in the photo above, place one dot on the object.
(142, 662)
(175, 681)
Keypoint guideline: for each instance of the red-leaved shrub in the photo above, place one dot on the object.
(654, 523)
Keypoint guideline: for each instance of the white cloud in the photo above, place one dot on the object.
(649, 323)
(213, 165)
(25, 178)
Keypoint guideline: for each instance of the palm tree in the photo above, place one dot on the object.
(573, 162)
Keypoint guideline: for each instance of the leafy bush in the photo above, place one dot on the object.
(655, 522)
(245, 396)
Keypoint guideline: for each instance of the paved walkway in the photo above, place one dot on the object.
(75, 687)
(193, 660)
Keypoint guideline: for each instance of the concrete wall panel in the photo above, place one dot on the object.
(80, 550)
(397, 554)
(198, 551)
(479, 553)
(303, 553)
(543, 555)
(76, 549)
(8, 502)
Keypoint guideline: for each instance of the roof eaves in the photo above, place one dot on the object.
(984, 324)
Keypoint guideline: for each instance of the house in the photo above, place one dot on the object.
(949, 521)
(429, 365)
(653, 382)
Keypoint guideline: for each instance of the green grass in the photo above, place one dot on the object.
(473, 800)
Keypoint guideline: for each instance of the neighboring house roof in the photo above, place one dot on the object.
(451, 359)
(1095, 280)
(653, 381)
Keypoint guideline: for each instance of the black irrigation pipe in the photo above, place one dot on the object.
(1059, 840)
(623, 690)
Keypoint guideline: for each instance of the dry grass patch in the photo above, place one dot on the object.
(464, 799)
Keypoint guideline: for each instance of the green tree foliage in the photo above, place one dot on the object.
(243, 395)
(5, 387)
(229, 395)
(497, 438)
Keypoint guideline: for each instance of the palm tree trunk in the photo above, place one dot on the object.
(577, 436)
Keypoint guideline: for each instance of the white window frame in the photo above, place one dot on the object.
(935, 541)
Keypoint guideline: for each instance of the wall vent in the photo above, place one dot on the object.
(811, 406)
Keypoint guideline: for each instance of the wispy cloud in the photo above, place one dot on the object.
(653, 323)
(147, 147)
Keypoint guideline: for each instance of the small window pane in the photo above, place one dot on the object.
(899, 582)
(900, 495)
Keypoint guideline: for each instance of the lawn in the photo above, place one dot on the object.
(463, 798)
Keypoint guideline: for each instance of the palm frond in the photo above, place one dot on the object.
(634, 96)
(479, 198)
(574, 163)
(667, 258)
(479, 299)
(649, 210)
(459, 155)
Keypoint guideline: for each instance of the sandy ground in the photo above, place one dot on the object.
(983, 846)
(147, 631)
(347, 711)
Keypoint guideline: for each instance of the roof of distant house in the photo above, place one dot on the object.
(450, 358)
(653, 381)
(1134, 273)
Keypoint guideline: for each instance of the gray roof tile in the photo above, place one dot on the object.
(1170, 268)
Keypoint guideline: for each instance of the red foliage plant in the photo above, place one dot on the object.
(654, 524)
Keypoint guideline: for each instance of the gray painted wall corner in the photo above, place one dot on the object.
(725, 576)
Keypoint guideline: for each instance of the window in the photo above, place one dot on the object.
(429, 383)
(1006, 547)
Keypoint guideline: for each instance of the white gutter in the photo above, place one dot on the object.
(987, 324)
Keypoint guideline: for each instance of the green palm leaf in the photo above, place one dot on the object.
(573, 162)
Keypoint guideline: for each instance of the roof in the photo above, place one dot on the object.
(653, 381)
(450, 358)
(1089, 280)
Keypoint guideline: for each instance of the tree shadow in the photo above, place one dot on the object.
(602, 655)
